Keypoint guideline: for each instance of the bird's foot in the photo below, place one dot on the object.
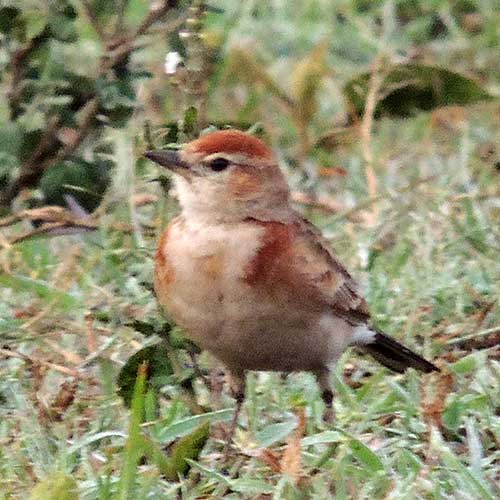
(329, 414)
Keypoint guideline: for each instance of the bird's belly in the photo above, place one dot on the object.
(252, 333)
(273, 343)
(248, 331)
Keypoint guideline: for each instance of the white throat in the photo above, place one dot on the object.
(212, 207)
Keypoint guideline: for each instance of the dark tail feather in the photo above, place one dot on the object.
(396, 356)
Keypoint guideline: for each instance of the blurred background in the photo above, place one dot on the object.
(385, 117)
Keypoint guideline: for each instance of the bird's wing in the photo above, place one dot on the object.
(324, 270)
(295, 262)
(294, 256)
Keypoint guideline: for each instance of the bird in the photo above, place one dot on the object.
(249, 279)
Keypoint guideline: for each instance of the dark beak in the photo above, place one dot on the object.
(167, 158)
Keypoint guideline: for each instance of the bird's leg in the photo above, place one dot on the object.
(216, 381)
(325, 387)
(240, 398)
(237, 388)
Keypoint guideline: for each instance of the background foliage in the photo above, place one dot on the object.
(385, 117)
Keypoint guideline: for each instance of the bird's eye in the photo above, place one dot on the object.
(218, 164)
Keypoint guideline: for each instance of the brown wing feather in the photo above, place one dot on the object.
(295, 259)
(337, 286)
(295, 256)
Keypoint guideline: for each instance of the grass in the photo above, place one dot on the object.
(429, 265)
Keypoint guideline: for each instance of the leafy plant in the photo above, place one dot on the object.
(139, 444)
(158, 368)
(408, 88)
(57, 485)
(59, 104)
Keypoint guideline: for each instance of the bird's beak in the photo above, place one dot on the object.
(169, 159)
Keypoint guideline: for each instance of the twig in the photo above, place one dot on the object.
(62, 369)
(374, 86)
(47, 214)
(39, 316)
(323, 203)
(88, 114)
(15, 89)
(49, 149)
(472, 336)
(317, 201)
(4, 243)
(58, 221)
(347, 214)
(155, 14)
(70, 357)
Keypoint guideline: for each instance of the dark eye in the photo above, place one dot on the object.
(218, 164)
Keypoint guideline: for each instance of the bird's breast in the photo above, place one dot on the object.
(199, 275)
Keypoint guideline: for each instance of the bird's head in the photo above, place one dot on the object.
(227, 176)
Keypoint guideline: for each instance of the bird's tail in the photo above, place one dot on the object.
(394, 355)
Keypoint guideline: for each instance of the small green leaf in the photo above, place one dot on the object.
(134, 447)
(9, 325)
(135, 11)
(475, 233)
(322, 438)
(85, 181)
(459, 406)
(415, 87)
(217, 477)
(93, 438)
(103, 9)
(117, 100)
(275, 432)
(252, 488)
(465, 365)
(147, 329)
(476, 485)
(178, 340)
(363, 454)
(8, 17)
(188, 424)
(452, 414)
(57, 485)
(158, 369)
(181, 453)
(187, 448)
(35, 22)
(409, 463)
(10, 138)
(190, 124)
(61, 21)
